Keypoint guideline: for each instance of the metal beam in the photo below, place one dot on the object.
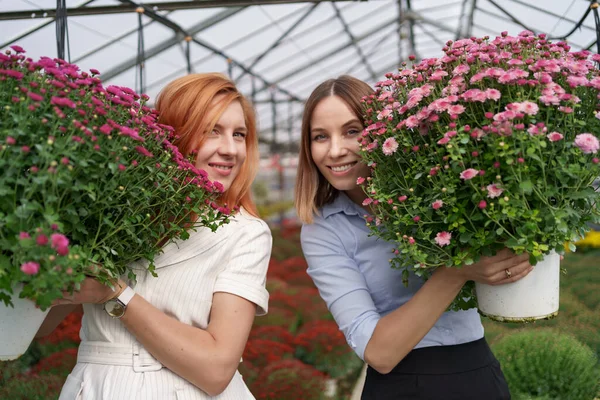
(547, 12)
(179, 30)
(331, 53)
(111, 42)
(353, 40)
(411, 30)
(280, 39)
(162, 6)
(167, 44)
(37, 28)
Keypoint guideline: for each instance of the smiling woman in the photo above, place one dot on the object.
(414, 348)
(181, 334)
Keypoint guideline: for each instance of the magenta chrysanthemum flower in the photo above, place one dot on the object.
(389, 146)
(143, 151)
(443, 238)
(30, 268)
(360, 180)
(587, 143)
(436, 205)
(494, 191)
(469, 174)
(60, 243)
(554, 136)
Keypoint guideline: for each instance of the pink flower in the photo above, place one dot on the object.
(34, 96)
(529, 108)
(469, 174)
(41, 240)
(367, 201)
(143, 151)
(360, 180)
(482, 204)
(389, 146)
(494, 191)
(554, 136)
(411, 240)
(60, 243)
(493, 94)
(24, 235)
(443, 140)
(587, 143)
(416, 218)
(443, 238)
(436, 205)
(456, 109)
(402, 198)
(30, 268)
(11, 141)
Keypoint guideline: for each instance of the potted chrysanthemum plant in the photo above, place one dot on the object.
(492, 145)
(89, 182)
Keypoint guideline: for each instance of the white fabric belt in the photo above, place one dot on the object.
(131, 355)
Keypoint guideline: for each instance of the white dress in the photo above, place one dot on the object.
(112, 365)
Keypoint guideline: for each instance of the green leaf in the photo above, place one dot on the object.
(526, 186)
(465, 237)
(499, 231)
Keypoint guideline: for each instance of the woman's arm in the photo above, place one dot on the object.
(55, 316)
(206, 358)
(384, 341)
(398, 333)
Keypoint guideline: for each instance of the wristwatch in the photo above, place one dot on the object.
(116, 307)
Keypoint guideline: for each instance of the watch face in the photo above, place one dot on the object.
(114, 308)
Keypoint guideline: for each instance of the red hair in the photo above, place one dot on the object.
(187, 104)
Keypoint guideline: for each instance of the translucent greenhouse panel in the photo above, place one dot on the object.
(321, 70)
(188, 18)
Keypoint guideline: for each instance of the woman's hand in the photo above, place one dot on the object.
(504, 267)
(91, 291)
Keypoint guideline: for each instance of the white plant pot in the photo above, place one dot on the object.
(18, 326)
(531, 298)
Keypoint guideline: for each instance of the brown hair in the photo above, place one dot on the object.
(312, 189)
(187, 105)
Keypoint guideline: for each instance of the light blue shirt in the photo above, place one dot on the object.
(352, 271)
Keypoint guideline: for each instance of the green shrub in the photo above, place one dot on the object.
(548, 363)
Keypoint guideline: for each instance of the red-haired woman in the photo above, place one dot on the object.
(181, 335)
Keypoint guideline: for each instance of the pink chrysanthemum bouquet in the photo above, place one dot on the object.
(493, 145)
(89, 181)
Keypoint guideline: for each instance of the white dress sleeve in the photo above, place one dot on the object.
(245, 269)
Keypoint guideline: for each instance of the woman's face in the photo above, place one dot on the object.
(334, 134)
(224, 150)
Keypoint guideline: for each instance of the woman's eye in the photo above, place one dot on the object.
(353, 132)
(240, 135)
(318, 138)
(214, 132)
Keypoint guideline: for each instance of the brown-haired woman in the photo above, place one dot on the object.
(414, 348)
(182, 334)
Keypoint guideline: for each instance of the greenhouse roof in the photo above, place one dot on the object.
(276, 51)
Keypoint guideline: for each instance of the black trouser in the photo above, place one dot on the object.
(466, 371)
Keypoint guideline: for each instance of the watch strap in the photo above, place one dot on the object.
(126, 296)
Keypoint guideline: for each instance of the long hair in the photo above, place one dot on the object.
(312, 189)
(187, 104)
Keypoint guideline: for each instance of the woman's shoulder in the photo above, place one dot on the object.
(244, 220)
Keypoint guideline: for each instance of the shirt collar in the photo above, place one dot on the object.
(342, 204)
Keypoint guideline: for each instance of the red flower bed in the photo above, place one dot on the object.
(262, 352)
(273, 333)
(322, 344)
(59, 363)
(67, 330)
(289, 380)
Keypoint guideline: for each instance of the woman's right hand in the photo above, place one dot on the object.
(504, 267)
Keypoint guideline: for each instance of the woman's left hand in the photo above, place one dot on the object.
(91, 291)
